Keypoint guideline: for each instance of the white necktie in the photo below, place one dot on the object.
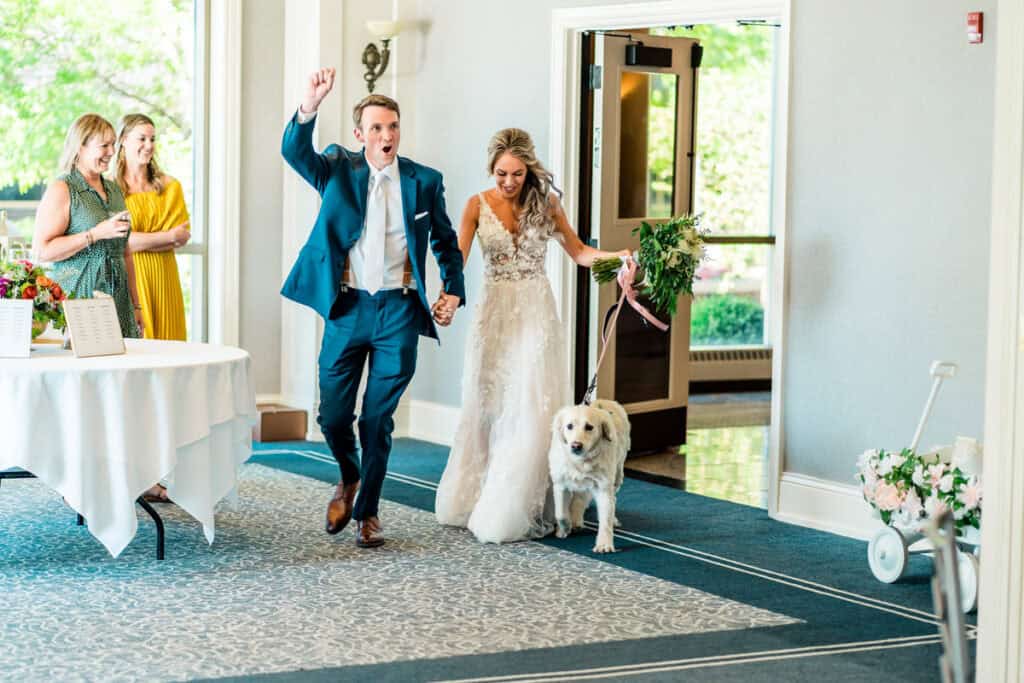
(376, 227)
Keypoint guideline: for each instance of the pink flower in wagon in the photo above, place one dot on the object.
(935, 473)
(887, 496)
(970, 494)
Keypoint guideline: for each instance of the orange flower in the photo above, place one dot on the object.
(29, 292)
(43, 281)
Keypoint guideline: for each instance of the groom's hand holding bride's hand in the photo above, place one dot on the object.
(320, 83)
(444, 308)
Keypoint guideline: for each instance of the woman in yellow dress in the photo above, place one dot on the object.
(160, 224)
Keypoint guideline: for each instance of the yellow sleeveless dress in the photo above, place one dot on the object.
(156, 273)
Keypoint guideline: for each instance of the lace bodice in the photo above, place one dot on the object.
(509, 257)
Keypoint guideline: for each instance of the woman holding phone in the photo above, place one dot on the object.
(82, 224)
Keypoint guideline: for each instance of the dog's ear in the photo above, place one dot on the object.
(608, 430)
(556, 425)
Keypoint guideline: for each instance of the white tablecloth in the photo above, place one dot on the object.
(100, 431)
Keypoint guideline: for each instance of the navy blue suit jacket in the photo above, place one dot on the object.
(342, 178)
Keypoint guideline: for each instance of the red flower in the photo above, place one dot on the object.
(29, 292)
(57, 292)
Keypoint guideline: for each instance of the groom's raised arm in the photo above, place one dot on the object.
(445, 245)
(297, 150)
(297, 144)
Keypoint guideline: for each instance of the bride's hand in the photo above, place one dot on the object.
(444, 308)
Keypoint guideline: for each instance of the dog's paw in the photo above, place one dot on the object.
(564, 528)
(604, 547)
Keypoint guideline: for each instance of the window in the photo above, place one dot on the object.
(732, 182)
(61, 59)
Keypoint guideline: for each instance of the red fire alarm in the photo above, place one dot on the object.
(974, 27)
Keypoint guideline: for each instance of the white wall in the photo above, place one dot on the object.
(890, 162)
(889, 153)
(260, 183)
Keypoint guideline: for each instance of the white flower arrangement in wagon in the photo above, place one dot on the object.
(906, 489)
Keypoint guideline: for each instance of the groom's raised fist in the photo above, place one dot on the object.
(319, 84)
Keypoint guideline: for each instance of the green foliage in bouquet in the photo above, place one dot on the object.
(668, 257)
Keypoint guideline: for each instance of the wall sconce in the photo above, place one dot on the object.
(376, 61)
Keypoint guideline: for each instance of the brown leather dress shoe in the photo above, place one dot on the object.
(339, 510)
(368, 533)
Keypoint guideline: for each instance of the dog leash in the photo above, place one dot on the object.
(625, 277)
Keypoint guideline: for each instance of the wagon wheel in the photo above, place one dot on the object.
(888, 555)
(967, 569)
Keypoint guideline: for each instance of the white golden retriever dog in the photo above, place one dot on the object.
(588, 449)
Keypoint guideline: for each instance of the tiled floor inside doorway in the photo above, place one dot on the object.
(726, 454)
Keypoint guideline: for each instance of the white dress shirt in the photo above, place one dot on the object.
(396, 251)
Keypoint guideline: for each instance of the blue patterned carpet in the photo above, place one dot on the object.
(701, 589)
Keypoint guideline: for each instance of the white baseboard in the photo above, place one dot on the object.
(426, 421)
(269, 398)
(825, 505)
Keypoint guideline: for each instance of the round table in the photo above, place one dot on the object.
(101, 431)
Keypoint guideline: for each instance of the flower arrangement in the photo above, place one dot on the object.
(23, 280)
(905, 488)
(669, 254)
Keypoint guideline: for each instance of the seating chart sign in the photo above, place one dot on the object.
(93, 326)
(15, 328)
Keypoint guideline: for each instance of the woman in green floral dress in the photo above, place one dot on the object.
(82, 224)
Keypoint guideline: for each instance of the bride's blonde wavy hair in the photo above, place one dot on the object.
(539, 182)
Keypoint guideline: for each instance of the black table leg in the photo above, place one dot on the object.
(159, 526)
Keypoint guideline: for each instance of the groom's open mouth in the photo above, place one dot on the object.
(387, 149)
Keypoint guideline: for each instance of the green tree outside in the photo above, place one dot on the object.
(62, 58)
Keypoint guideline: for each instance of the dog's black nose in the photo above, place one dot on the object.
(577, 447)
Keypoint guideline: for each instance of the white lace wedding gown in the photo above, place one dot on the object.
(515, 378)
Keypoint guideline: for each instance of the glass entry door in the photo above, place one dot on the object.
(642, 170)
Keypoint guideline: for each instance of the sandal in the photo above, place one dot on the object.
(156, 494)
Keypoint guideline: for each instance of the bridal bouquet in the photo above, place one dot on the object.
(669, 254)
(905, 488)
(23, 280)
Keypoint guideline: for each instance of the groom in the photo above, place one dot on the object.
(362, 269)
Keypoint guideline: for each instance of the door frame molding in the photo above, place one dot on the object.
(1001, 582)
(563, 156)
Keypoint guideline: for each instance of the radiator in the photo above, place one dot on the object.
(730, 362)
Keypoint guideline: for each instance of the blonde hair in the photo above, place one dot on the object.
(539, 182)
(85, 128)
(374, 100)
(154, 175)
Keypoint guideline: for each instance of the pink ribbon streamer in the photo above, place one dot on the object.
(626, 276)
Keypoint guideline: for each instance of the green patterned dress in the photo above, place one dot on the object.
(99, 267)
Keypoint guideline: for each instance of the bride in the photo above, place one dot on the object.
(515, 375)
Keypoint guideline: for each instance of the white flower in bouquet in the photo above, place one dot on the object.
(946, 483)
(866, 461)
(889, 463)
(934, 507)
(918, 476)
(912, 507)
(935, 474)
